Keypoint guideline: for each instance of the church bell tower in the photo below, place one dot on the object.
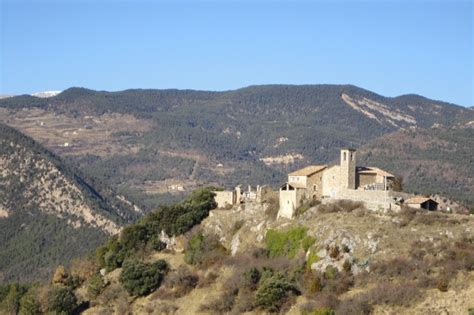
(348, 168)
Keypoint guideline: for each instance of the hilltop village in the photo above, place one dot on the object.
(372, 186)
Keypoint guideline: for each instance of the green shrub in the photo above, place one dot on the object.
(287, 243)
(347, 266)
(140, 279)
(28, 303)
(312, 258)
(62, 300)
(272, 292)
(330, 272)
(95, 286)
(111, 255)
(251, 278)
(145, 234)
(10, 296)
(156, 244)
(134, 237)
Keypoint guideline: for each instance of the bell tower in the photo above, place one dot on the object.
(348, 168)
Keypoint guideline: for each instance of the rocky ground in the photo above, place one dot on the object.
(367, 238)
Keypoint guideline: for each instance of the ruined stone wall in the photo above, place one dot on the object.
(265, 193)
(224, 198)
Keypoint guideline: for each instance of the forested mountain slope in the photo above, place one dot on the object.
(436, 160)
(145, 141)
(49, 212)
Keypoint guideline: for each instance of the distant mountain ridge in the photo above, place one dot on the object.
(139, 140)
(49, 213)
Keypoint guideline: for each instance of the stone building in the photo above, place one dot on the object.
(346, 180)
(225, 198)
(422, 203)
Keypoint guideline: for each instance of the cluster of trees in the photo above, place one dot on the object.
(145, 234)
(57, 298)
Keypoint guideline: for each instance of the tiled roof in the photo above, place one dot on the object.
(308, 170)
(295, 185)
(417, 200)
(371, 170)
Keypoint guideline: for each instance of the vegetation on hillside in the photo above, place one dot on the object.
(36, 235)
(234, 128)
(432, 161)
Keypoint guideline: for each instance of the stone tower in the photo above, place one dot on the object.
(348, 168)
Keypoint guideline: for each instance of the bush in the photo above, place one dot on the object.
(156, 244)
(312, 282)
(84, 268)
(311, 259)
(62, 300)
(306, 206)
(60, 275)
(355, 306)
(272, 292)
(334, 252)
(111, 255)
(203, 250)
(95, 286)
(135, 237)
(28, 304)
(181, 282)
(252, 277)
(442, 285)
(347, 266)
(10, 296)
(223, 304)
(340, 206)
(287, 243)
(140, 279)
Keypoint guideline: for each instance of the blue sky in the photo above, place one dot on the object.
(389, 47)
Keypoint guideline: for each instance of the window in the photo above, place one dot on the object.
(352, 156)
(344, 154)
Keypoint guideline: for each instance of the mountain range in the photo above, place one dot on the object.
(145, 141)
(92, 161)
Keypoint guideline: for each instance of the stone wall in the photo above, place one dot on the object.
(225, 198)
(331, 181)
(290, 200)
(379, 200)
(315, 185)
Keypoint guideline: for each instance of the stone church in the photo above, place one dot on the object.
(370, 185)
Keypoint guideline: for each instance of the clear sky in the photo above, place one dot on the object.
(389, 47)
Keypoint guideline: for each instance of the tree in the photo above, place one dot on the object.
(62, 300)
(140, 278)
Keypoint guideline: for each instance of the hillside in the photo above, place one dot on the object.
(332, 259)
(144, 142)
(49, 212)
(436, 160)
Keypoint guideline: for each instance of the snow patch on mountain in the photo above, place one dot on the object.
(46, 94)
